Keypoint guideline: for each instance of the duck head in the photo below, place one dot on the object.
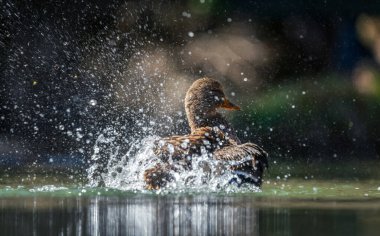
(203, 99)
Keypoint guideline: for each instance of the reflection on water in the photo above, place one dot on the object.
(182, 215)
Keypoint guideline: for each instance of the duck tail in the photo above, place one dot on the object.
(248, 161)
(259, 154)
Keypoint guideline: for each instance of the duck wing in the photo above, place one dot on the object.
(205, 139)
(247, 160)
(158, 176)
(180, 149)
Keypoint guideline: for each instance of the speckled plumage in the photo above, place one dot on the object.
(202, 100)
(210, 133)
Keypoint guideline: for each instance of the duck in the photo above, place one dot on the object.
(211, 134)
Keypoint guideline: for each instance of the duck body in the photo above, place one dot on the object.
(182, 148)
(211, 134)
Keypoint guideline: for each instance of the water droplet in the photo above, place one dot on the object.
(184, 145)
(170, 148)
(93, 102)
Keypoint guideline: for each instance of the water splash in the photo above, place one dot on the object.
(125, 172)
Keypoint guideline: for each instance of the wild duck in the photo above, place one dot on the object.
(210, 133)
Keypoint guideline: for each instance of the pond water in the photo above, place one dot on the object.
(283, 207)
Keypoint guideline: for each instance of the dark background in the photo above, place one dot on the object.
(306, 74)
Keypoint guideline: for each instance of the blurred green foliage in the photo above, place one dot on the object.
(314, 118)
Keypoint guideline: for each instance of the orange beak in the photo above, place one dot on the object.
(229, 105)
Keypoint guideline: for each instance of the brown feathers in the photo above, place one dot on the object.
(240, 153)
(248, 158)
(211, 134)
(158, 176)
(180, 150)
(205, 139)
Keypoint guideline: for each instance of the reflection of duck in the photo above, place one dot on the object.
(210, 133)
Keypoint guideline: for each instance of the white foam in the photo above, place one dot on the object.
(126, 173)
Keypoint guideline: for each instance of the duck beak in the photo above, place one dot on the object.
(229, 105)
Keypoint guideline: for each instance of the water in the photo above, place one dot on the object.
(283, 207)
(296, 199)
(185, 215)
(125, 171)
